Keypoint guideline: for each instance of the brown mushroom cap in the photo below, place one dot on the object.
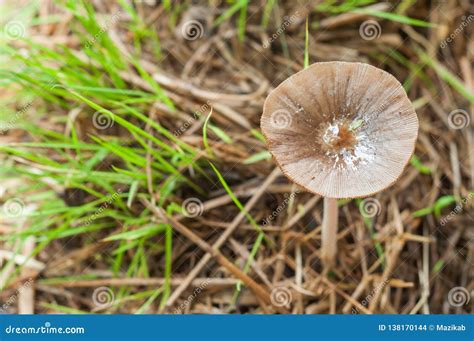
(341, 130)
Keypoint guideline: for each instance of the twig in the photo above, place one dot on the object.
(197, 282)
(222, 239)
(256, 288)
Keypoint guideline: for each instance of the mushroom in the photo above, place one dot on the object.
(340, 130)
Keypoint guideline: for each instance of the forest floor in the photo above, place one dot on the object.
(120, 192)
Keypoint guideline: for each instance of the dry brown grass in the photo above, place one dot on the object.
(419, 260)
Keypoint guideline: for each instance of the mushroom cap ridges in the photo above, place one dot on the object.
(341, 130)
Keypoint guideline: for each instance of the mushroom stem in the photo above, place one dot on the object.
(329, 231)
